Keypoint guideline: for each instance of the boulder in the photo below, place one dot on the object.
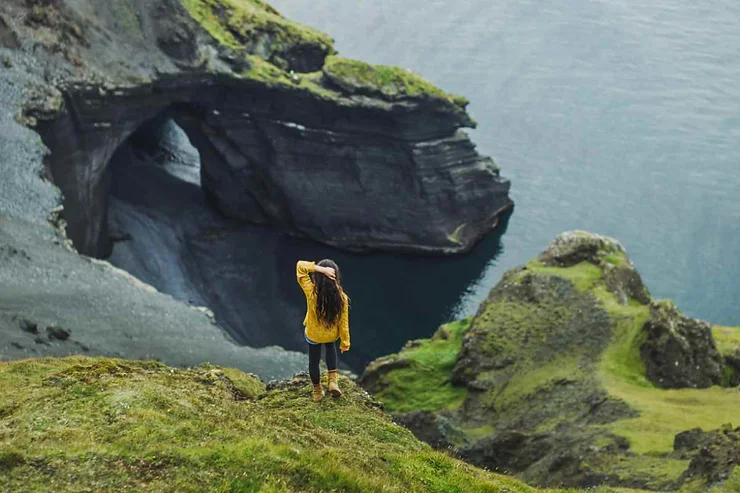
(679, 352)
(718, 452)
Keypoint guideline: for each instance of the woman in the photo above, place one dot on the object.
(327, 319)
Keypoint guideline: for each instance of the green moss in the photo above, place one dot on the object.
(663, 413)
(517, 325)
(239, 23)
(618, 258)
(390, 82)
(273, 45)
(527, 383)
(113, 425)
(584, 275)
(425, 385)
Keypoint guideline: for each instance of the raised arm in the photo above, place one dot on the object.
(344, 327)
(302, 271)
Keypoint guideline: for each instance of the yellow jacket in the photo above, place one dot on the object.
(316, 330)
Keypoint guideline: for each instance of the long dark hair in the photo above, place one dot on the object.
(330, 298)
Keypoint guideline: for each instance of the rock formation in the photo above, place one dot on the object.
(289, 135)
(678, 351)
(557, 379)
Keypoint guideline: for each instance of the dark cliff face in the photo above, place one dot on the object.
(342, 176)
(289, 135)
(354, 156)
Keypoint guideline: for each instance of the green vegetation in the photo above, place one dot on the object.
(727, 339)
(527, 383)
(425, 384)
(663, 413)
(389, 82)
(238, 24)
(273, 45)
(114, 425)
(537, 349)
(655, 470)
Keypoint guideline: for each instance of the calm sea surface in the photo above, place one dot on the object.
(617, 116)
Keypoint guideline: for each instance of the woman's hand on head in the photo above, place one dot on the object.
(328, 272)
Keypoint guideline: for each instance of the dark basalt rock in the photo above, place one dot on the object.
(691, 440)
(342, 176)
(679, 352)
(298, 152)
(717, 453)
(8, 38)
(29, 326)
(58, 333)
(732, 369)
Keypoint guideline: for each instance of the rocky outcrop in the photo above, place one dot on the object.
(679, 352)
(620, 276)
(351, 155)
(557, 370)
(715, 454)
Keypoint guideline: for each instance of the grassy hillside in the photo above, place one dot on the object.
(82, 424)
(554, 355)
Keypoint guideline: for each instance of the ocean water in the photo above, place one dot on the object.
(621, 117)
(615, 116)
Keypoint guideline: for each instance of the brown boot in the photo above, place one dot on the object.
(318, 392)
(333, 385)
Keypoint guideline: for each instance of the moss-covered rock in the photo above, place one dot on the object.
(555, 386)
(679, 352)
(388, 82)
(728, 345)
(283, 53)
(418, 379)
(254, 27)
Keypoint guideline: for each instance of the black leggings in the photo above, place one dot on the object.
(314, 357)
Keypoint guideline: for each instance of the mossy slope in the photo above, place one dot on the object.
(81, 424)
(283, 53)
(552, 373)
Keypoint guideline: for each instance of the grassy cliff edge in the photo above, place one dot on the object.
(96, 424)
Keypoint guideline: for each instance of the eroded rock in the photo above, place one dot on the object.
(573, 247)
(718, 453)
(679, 352)
(289, 135)
(57, 333)
(28, 325)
